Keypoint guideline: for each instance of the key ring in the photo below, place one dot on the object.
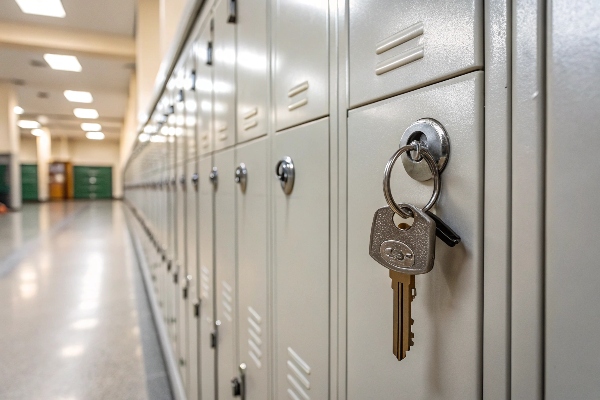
(437, 183)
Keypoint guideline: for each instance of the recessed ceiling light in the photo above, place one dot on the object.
(85, 113)
(63, 63)
(95, 135)
(18, 110)
(37, 132)
(47, 8)
(91, 127)
(78, 97)
(25, 124)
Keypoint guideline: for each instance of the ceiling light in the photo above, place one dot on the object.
(37, 132)
(42, 119)
(89, 127)
(47, 8)
(18, 110)
(78, 97)
(143, 137)
(95, 135)
(158, 139)
(63, 63)
(86, 113)
(25, 124)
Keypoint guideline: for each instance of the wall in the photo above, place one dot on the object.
(28, 153)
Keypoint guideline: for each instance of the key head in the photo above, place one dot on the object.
(409, 251)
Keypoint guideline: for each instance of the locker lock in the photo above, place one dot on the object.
(214, 176)
(195, 178)
(431, 135)
(241, 176)
(182, 180)
(285, 173)
(238, 383)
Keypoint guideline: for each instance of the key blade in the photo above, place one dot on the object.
(403, 286)
(443, 231)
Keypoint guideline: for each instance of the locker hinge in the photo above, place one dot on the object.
(197, 309)
(169, 265)
(175, 278)
(185, 292)
(209, 54)
(232, 12)
(213, 339)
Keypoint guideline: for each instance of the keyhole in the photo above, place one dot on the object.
(403, 223)
(422, 139)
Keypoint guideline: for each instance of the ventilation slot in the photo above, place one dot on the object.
(298, 371)
(405, 57)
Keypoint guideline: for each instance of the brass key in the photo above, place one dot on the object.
(404, 292)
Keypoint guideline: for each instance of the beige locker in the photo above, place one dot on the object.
(204, 89)
(446, 359)
(301, 264)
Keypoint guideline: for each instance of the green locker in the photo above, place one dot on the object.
(29, 181)
(92, 182)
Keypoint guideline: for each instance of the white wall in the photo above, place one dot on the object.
(28, 153)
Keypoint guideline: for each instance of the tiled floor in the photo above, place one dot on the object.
(74, 318)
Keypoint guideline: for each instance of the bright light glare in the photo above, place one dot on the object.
(37, 132)
(91, 127)
(85, 113)
(143, 137)
(71, 351)
(78, 97)
(18, 110)
(63, 63)
(25, 124)
(86, 323)
(95, 135)
(158, 139)
(47, 8)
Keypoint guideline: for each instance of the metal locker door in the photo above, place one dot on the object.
(192, 278)
(396, 46)
(172, 288)
(181, 272)
(252, 69)
(252, 266)
(206, 280)
(446, 359)
(301, 50)
(204, 89)
(225, 272)
(301, 263)
(224, 77)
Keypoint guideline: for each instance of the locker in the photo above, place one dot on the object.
(446, 359)
(204, 89)
(192, 280)
(397, 46)
(191, 216)
(206, 280)
(301, 49)
(225, 272)
(252, 69)
(224, 77)
(253, 325)
(181, 268)
(301, 264)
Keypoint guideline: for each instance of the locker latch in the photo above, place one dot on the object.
(197, 308)
(232, 12)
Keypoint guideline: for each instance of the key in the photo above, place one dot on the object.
(404, 293)
(405, 251)
(444, 232)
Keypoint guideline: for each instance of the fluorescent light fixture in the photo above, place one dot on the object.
(91, 127)
(85, 113)
(143, 137)
(47, 8)
(37, 132)
(158, 139)
(25, 124)
(94, 135)
(18, 110)
(63, 63)
(78, 97)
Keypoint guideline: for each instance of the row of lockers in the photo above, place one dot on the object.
(244, 254)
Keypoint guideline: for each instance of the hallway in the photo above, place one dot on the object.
(75, 322)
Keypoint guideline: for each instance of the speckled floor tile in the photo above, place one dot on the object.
(69, 326)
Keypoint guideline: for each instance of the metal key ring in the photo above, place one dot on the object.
(437, 183)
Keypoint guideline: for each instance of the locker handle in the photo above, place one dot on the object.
(209, 53)
(232, 18)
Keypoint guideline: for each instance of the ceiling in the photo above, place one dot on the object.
(40, 88)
